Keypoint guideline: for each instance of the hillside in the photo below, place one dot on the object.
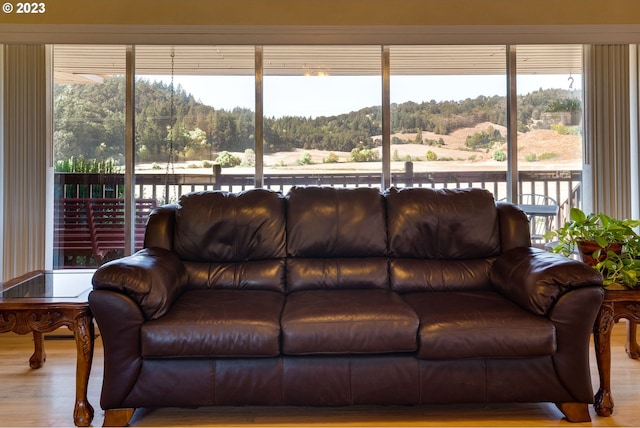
(551, 150)
(89, 123)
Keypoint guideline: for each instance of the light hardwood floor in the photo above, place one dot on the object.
(45, 397)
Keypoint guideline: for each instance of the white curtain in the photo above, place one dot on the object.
(26, 160)
(607, 137)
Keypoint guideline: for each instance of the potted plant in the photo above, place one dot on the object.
(609, 245)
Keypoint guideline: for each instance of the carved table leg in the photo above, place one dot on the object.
(602, 341)
(84, 335)
(632, 348)
(39, 356)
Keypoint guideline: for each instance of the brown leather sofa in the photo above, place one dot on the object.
(334, 297)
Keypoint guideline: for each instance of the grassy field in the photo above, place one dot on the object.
(537, 150)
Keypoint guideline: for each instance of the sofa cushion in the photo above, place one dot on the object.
(410, 275)
(445, 224)
(337, 273)
(251, 275)
(330, 222)
(347, 321)
(478, 324)
(219, 226)
(216, 323)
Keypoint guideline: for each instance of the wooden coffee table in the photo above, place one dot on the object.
(617, 304)
(41, 302)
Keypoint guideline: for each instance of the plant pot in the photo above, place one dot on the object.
(587, 248)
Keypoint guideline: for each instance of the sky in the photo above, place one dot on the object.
(332, 95)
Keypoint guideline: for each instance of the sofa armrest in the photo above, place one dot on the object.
(535, 279)
(152, 277)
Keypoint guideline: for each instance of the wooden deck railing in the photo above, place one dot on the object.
(561, 185)
(556, 183)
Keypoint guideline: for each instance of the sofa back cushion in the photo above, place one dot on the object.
(441, 239)
(330, 222)
(267, 275)
(442, 224)
(231, 240)
(409, 275)
(336, 238)
(219, 226)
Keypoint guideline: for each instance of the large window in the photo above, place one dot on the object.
(236, 117)
(448, 116)
(195, 111)
(549, 142)
(322, 115)
(88, 147)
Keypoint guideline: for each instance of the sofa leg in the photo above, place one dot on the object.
(575, 412)
(117, 417)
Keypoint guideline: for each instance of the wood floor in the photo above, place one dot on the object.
(45, 397)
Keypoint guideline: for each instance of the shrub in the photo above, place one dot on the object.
(364, 155)
(484, 138)
(227, 160)
(560, 128)
(531, 157)
(431, 155)
(305, 159)
(547, 156)
(499, 155)
(331, 158)
(249, 157)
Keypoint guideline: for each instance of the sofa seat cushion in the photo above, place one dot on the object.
(217, 323)
(347, 322)
(478, 324)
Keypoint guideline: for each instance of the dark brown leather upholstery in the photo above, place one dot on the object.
(331, 296)
(478, 324)
(217, 323)
(443, 224)
(229, 227)
(347, 322)
(326, 223)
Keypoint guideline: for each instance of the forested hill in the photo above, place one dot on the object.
(89, 122)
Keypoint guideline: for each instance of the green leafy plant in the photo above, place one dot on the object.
(620, 270)
(82, 165)
(609, 245)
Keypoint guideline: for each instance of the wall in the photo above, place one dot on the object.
(333, 12)
(326, 22)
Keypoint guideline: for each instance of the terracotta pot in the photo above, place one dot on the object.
(587, 248)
